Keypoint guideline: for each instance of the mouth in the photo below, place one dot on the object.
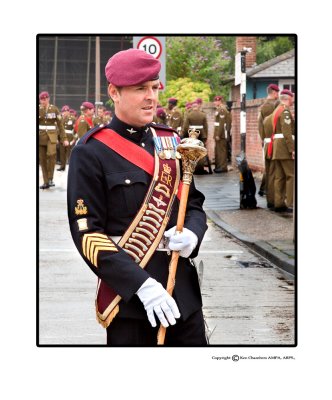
(147, 108)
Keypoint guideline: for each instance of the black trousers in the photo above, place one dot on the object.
(137, 332)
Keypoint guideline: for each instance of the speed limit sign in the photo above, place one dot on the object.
(150, 45)
(156, 47)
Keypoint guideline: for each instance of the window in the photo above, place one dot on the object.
(287, 84)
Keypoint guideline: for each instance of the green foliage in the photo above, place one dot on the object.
(211, 59)
(184, 89)
(207, 59)
(268, 47)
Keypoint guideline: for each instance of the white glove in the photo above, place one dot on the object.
(156, 299)
(184, 241)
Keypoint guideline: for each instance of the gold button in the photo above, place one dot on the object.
(127, 181)
(143, 144)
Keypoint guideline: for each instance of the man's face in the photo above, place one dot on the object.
(45, 101)
(275, 94)
(217, 103)
(89, 112)
(100, 112)
(136, 105)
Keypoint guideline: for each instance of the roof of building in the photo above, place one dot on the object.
(278, 67)
(281, 66)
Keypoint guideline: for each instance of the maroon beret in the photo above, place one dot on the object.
(217, 98)
(274, 87)
(87, 104)
(288, 92)
(131, 67)
(172, 100)
(43, 95)
(160, 112)
(65, 108)
(188, 105)
(199, 100)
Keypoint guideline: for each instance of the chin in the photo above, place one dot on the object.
(147, 119)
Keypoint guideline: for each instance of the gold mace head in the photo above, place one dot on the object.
(191, 150)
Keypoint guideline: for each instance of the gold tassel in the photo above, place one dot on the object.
(105, 323)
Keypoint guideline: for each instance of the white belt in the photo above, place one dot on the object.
(47, 127)
(267, 140)
(281, 135)
(216, 124)
(161, 245)
(196, 126)
(69, 131)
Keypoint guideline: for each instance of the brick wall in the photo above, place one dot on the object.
(253, 141)
(249, 42)
(254, 152)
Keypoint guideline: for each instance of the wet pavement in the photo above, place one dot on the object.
(246, 299)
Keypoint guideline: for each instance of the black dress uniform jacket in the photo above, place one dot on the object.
(112, 190)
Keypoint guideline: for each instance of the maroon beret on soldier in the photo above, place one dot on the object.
(188, 105)
(288, 92)
(87, 104)
(132, 67)
(160, 112)
(43, 95)
(274, 87)
(65, 108)
(199, 100)
(172, 100)
(73, 112)
(217, 98)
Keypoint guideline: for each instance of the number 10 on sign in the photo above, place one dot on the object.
(150, 45)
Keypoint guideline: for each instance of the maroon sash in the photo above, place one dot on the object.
(278, 111)
(146, 230)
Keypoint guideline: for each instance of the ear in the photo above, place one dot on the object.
(113, 92)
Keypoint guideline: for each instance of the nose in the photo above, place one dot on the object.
(150, 93)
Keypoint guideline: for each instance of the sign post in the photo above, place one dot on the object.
(247, 183)
(156, 47)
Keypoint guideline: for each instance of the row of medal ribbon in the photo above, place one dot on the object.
(166, 147)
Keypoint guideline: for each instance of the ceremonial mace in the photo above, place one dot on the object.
(191, 150)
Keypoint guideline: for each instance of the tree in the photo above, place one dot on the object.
(207, 59)
(272, 46)
(184, 89)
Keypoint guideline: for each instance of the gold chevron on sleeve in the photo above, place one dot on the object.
(92, 243)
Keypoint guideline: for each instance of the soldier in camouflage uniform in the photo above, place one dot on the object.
(267, 108)
(222, 126)
(174, 115)
(107, 117)
(84, 122)
(50, 123)
(196, 120)
(161, 116)
(283, 153)
(99, 119)
(68, 122)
